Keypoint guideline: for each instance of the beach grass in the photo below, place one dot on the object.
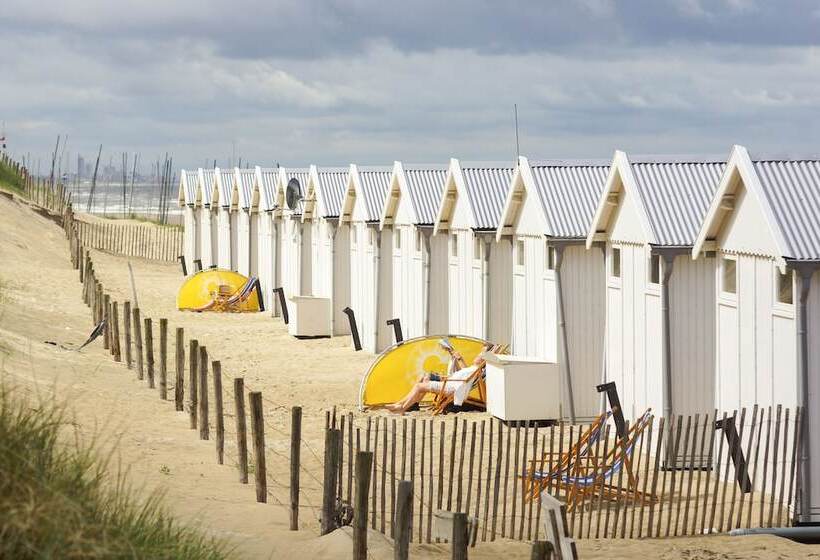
(9, 179)
(59, 500)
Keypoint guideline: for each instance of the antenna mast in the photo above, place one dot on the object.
(517, 147)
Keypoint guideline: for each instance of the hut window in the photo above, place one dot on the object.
(397, 239)
(655, 269)
(477, 248)
(550, 260)
(615, 262)
(519, 252)
(729, 275)
(454, 245)
(785, 289)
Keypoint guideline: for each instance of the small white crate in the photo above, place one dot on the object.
(308, 316)
(522, 388)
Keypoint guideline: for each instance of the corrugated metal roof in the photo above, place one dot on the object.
(267, 190)
(676, 195)
(374, 182)
(225, 185)
(425, 184)
(569, 192)
(302, 175)
(191, 183)
(332, 186)
(487, 186)
(207, 186)
(792, 190)
(246, 178)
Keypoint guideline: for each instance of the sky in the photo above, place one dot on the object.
(329, 82)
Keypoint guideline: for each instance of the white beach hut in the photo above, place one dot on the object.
(558, 304)
(330, 253)
(295, 244)
(419, 258)
(762, 225)
(207, 218)
(188, 200)
(479, 277)
(223, 200)
(247, 211)
(266, 183)
(370, 254)
(660, 343)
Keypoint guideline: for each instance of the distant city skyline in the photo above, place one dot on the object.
(368, 82)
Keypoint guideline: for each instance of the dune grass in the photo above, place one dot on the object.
(9, 179)
(57, 499)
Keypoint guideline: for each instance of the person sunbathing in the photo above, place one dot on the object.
(432, 383)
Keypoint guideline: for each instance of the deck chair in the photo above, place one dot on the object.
(442, 401)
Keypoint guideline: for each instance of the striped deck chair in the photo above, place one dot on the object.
(443, 401)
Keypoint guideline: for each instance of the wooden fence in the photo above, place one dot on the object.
(147, 241)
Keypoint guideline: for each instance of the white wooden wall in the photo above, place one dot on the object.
(331, 270)
(306, 259)
(243, 261)
(374, 337)
(206, 242)
(224, 221)
(439, 286)
(813, 335)
(535, 326)
(265, 257)
(189, 237)
(234, 218)
(214, 221)
(291, 255)
(254, 244)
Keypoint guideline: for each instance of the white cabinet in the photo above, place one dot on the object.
(308, 316)
(522, 388)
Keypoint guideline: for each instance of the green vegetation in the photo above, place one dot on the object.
(56, 500)
(9, 179)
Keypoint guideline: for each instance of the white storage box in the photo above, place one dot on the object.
(522, 388)
(308, 316)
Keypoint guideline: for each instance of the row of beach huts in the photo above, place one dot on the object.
(689, 281)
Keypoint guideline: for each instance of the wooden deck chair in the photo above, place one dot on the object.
(443, 400)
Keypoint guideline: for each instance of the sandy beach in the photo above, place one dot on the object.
(41, 301)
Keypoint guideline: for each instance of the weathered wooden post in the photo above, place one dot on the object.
(241, 429)
(295, 458)
(126, 323)
(258, 427)
(460, 539)
(193, 353)
(138, 343)
(331, 471)
(204, 426)
(149, 351)
(364, 465)
(106, 306)
(179, 384)
(401, 520)
(163, 359)
(541, 550)
(115, 331)
(216, 366)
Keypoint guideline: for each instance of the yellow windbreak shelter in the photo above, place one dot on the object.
(219, 290)
(397, 369)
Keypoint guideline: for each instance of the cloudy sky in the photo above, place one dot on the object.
(372, 81)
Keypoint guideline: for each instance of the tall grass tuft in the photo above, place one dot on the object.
(9, 179)
(56, 500)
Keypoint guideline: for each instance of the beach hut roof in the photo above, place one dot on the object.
(223, 187)
(188, 184)
(787, 189)
(331, 184)
(672, 195)
(484, 186)
(267, 182)
(567, 192)
(370, 184)
(243, 184)
(206, 185)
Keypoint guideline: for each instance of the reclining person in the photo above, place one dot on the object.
(428, 383)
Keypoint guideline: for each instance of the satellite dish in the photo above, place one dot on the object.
(293, 193)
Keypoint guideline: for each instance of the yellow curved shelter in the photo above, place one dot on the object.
(219, 290)
(396, 369)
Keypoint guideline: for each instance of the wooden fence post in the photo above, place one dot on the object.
(460, 539)
(193, 353)
(149, 351)
(241, 429)
(329, 483)
(295, 459)
(364, 465)
(179, 384)
(106, 315)
(126, 323)
(401, 520)
(163, 359)
(138, 343)
(219, 412)
(204, 426)
(541, 550)
(115, 331)
(258, 427)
